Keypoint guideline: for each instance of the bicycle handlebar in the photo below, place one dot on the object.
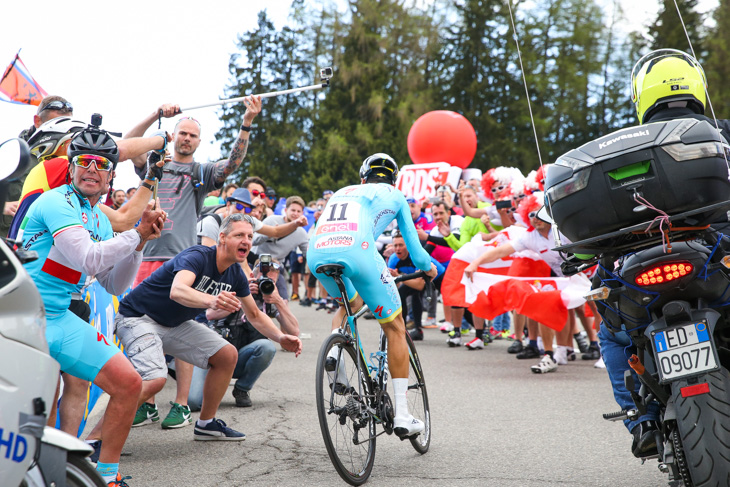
(416, 275)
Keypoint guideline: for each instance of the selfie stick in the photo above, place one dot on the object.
(325, 75)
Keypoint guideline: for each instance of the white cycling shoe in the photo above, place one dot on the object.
(408, 426)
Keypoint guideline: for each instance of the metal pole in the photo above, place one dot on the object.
(263, 95)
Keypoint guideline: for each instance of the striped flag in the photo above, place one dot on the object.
(520, 283)
(18, 86)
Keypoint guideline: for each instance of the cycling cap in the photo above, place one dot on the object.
(667, 75)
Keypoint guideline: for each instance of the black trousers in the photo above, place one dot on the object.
(416, 301)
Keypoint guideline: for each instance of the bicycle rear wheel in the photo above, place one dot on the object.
(417, 398)
(347, 428)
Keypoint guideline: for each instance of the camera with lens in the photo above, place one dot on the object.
(96, 120)
(266, 284)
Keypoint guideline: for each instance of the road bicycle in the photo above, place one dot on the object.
(352, 391)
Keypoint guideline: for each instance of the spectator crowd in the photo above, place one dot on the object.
(208, 268)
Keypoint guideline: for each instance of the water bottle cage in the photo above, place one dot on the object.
(377, 363)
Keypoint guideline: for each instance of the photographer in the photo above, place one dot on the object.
(255, 351)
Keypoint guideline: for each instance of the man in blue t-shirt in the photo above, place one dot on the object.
(157, 318)
(400, 263)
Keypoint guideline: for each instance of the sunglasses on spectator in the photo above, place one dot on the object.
(532, 214)
(243, 207)
(255, 193)
(498, 188)
(86, 160)
(62, 106)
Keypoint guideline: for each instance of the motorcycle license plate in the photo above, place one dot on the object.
(684, 350)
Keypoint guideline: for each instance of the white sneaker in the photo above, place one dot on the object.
(547, 364)
(561, 355)
(446, 327)
(600, 364)
(475, 344)
(408, 426)
(454, 341)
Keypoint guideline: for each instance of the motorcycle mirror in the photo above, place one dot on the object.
(14, 159)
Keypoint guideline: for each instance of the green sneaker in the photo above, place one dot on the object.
(178, 417)
(146, 414)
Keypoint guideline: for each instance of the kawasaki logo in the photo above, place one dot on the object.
(640, 133)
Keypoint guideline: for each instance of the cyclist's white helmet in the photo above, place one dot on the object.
(51, 135)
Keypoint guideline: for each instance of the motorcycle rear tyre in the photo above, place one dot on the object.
(703, 422)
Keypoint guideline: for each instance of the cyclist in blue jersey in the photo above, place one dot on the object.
(345, 234)
(74, 239)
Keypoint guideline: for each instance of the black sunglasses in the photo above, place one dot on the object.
(62, 106)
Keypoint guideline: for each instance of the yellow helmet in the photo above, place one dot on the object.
(667, 75)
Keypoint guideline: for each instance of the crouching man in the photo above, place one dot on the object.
(156, 318)
(255, 351)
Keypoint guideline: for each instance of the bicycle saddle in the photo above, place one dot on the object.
(330, 270)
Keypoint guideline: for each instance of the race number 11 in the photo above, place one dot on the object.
(343, 207)
(343, 212)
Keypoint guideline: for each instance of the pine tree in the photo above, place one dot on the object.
(667, 32)
(379, 92)
(717, 67)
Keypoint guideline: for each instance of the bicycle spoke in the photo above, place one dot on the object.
(343, 412)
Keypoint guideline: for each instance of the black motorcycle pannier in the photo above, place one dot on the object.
(612, 182)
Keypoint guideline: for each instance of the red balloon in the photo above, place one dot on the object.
(442, 136)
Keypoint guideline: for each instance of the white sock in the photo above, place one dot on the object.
(204, 422)
(400, 386)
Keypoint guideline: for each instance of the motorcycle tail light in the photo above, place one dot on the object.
(663, 273)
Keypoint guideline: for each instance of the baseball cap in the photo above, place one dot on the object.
(411, 200)
(326, 192)
(242, 195)
(270, 191)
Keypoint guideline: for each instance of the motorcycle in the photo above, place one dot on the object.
(31, 453)
(665, 282)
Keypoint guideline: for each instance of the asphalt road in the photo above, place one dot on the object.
(494, 424)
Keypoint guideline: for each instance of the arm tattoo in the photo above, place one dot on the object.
(225, 168)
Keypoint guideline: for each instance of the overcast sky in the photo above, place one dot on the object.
(123, 59)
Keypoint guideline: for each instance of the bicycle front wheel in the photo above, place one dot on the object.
(417, 398)
(348, 429)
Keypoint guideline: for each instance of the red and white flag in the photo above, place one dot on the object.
(519, 282)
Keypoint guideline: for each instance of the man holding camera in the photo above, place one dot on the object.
(279, 248)
(157, 318)
(255, 351)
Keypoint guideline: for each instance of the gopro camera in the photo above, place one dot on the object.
(326, 73)
(96, 120)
